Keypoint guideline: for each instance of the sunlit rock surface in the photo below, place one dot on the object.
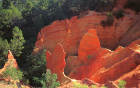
(89, 45)
(56, 62)
(87, 49)
(70, 32)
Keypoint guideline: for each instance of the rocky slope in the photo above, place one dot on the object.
(97, 46)
(69, 32)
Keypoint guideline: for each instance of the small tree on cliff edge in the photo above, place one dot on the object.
(17, 42)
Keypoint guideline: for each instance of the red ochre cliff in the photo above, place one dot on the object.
(98, 64)
(83, 48)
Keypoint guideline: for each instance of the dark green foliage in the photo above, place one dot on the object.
(118, 14)
(109, 21)
(17, 42)
(48, 80)
(0, 4)
(12, 73)
(8, 18)
(133, 4)
(103, 5)
(15, 45)
(35, 66)
(6, 4)
(4, 47)
(28, 8)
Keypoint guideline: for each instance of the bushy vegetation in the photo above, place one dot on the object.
(121, 84)
(12, 73)
(35, 66)
(133, 4)
(48, 80)
(109, 20)
(78, 85)
(15, 45)
(118, 14)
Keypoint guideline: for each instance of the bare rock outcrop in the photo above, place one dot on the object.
(56, 62)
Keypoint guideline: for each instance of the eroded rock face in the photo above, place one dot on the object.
(87, 45)
(93, 62)
(56, 62)
(71, 63)
(70, 32)
(132, 78)
(102, 66)
(90, 55)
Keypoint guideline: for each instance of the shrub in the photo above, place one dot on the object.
(118, 14)
(121, 84)
(78, 85)
(12, 73)
(103, 87)
(109, 21)
(48, 80)
(93, 86)
(35, 66)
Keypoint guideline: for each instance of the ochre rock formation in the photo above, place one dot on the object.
(70, 32)
(89, 45)
(56, 62)
(85, 45)
(89, 52)
(132, 78)
(99, 65)
(71, 63)
(11, 62)
(93, 62)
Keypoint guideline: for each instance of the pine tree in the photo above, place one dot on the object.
(4, 47)
(17, 42)
(6, 4)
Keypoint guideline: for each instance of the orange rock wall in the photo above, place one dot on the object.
(70, 32)
(56, 61)
(86, 43)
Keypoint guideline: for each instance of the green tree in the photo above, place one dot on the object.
(43, 4)
(35, 66)
(17, 42)
(8, 18)
(0, 4)
(4, 47)
(12, 73)
(48, 80)
(6, 4)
